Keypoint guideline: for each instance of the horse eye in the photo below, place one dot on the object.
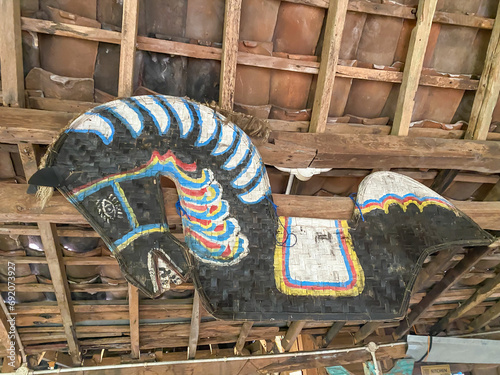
(109, 208)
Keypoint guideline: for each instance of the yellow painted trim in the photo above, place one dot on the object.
(127, 205)
(404, 205)
(137, 235)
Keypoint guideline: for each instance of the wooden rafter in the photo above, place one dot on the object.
(292, 333)
(413, 67)
(194, 332)
(365, 331)
(438, 264)
(11, 56)
(229, 53)
(332, 332)
(451, 277)
(479, 296)
(245, 330)
(329, 58)
(133, 303)
(443, 180)
(482, 320)
(127, 50)
(489, 87)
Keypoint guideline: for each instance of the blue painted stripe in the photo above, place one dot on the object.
(138, 230)
(124, 204)
(235, 134)
(170, 111)
(244, 171)
(217, 123)
(105, 140)
(118, 115)
(147, 110)
(185, 133)
(236, 152)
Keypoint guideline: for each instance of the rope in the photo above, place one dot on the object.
(353, 198)
(286, 232)
(180, 210)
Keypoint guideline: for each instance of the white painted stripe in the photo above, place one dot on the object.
(249, 173)
(239, 154)
(226, 139)
(128, 114)
(208, 125)
(157, 111)
(257, 193)
(92, 122)
(183, 112)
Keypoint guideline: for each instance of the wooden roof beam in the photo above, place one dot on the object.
(413, 67)
(365, 331)
(332, 332)
(452, 276)
(329, 59)
(127, 51)
(292, 333)
(491, 314)
(194, 332)
(229, 53)
(245, 330)
(11, 56)
(489, 87)
(479, 296)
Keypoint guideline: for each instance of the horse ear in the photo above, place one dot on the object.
(48, 176)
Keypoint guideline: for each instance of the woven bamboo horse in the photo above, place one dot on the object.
(245, 261)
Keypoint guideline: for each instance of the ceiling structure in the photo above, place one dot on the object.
(356, 86)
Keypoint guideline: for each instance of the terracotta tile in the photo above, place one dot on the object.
(54, 54)
(353, 29)
(431, 44)
(28, 296)
(477, 53)
(60, 87)
(260, 111)
(438, 125)
(290, 89)
(165, 74)
(379, 39)
(106, 72)
(286, 114)
(87, 8)
(368, 121)
(437, 104)
(340, 94)
(258, 19)
(203, 78)
(252, 83)
(157, 12)
(298, 28)
(205, 20)
(141, 90)
(458, 6)
(404, 40)
(20, 269)
(109, 12)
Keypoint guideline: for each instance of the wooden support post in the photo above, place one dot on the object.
(133, 309)
(489, 87)
(329, 58)
(245, 330)
(194, 332)
(127, 50)
(332, 332)
(452, 276)
(292, 333)
(494, 194)
(483, 319)
(229, 53)
(53, 254)
(413, 67)
(443, 180)
(11, 53)
(479, 296)
(365, 331)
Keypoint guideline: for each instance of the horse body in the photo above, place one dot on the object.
(246, 262)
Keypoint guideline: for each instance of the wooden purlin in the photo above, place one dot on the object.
(491, 314)
(11, 54)
(413, 67)
(292, 333)
(229, 53)
(329, 59)
(486, 97)
(365, 331)
(451, 277)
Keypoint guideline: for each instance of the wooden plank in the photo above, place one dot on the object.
(11, 56)
(194, 331)
(292, 333)
(61, 105)
(491, 314)
(443, 180)
(451, 277)
(245, 330)
(27, 152)
(413, 67)
(332, 332)
(133, 307)
(329, 58)
(60, 284)
(365, 331)
(229, 53)
(438, 264)
(8, 333)
(127, 50)
(479, 296)
(489, 87)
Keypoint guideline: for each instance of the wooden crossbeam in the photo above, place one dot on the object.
(489, 87)
(491, 314)
(365, 331)
(245, 330)
(194, 332)
(332, 332)
(479, 296)
(451, 277)
(11, 56)
(229, 53)
(127, 50)
(133, 308)
(329, 58)
(413, 67)
(292, 333)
